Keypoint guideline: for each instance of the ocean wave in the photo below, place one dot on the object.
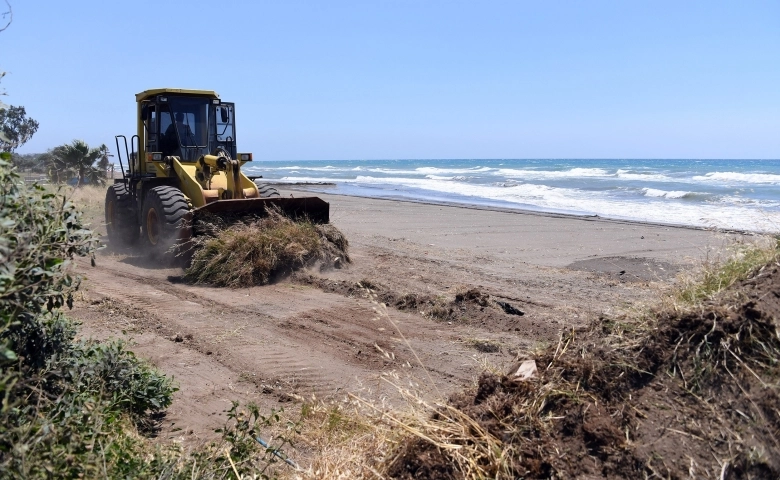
(760, 204)
(515, 193)
(541, 174)
(642, 175)
(730, 177)
(393, 171)
(457, 178)
(574, 173)
(508, 183)
(451, 171)
(656, 193)
(655, 207)
(298, 168)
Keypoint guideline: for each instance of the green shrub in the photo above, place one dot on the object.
(107, 369)
(69, 409)
(74, 409)
(40, 233)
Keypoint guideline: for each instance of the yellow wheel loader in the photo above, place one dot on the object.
(183, 162)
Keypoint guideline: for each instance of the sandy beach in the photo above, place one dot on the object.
(461, 289)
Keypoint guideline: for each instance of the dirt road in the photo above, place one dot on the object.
(320, 333)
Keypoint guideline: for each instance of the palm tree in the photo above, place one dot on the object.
(77, 160)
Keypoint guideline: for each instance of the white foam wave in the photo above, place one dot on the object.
(655, 208)
(732, 177)
(393, 171)
(541, 174)
(438, 177)
(297, 168)
(458, 178)
(645, 176)
(749, 202)
(508, 183)
(451, 171)
(656, 193)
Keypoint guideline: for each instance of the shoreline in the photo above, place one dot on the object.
(710, 195)
(514, 237)
(300, 186)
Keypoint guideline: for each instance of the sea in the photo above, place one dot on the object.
(739, 195)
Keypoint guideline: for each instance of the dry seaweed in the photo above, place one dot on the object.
(691, 394)
(247, 251)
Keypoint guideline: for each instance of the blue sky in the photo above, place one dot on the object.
(414, 79)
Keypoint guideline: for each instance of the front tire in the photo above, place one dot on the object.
(164, 219)
(267, 191)
(121, 222)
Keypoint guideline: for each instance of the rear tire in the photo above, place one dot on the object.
(267, 191)
(164, 217)
(121, 222)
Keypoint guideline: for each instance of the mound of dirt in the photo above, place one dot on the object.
(469, 307)
(687, 396)
(242, 252)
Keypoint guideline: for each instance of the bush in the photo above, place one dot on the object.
(66, 406)
(40, 233)
(72, 409)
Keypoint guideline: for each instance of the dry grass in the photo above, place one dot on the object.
(91, 201)
(360, 439)
(350, 441)
(370, 441)
(253, 252)
(738, 262)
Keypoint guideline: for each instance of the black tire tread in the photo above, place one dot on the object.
(267, 191)
(173, 208)
(126, 230)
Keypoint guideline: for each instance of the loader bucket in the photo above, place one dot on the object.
(314, 209)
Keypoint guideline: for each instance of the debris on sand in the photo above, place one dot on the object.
(244, 253)
(509, 309)
(523, 371)
(486, 345)
(472, 296)
(470, 305)
(691, 394)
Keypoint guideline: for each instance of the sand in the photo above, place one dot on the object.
(319, 334)
(519, 236)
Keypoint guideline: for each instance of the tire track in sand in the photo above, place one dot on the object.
(307, 341)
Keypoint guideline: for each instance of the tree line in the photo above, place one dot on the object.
(74, 162)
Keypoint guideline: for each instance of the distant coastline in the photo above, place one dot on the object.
(724, 194)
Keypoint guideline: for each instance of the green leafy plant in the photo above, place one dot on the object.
(40, 233)
(66, 405)
(16, 128)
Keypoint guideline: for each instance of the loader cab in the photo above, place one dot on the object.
(187, 126)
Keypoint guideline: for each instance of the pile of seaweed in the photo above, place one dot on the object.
(245, 251)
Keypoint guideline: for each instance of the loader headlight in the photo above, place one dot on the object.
(245, 157)
(215, 101)
(154, 157)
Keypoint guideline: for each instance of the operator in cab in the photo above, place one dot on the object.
(178, 134)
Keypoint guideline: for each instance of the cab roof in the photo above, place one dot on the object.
(178, 91)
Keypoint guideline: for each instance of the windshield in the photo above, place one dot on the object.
(184, 127)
